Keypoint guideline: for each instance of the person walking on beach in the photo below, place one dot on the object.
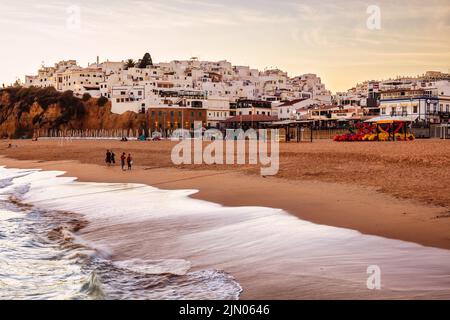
(123, 157)
(129, 161)
(108, 158)
(113, 158)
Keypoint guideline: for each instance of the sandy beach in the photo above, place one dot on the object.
(393, 190)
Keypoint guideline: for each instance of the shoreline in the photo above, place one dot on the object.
(334, 204)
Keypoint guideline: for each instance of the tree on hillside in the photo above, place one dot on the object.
(102, 101)
(130, 63)
(86, 97)
(145, 61)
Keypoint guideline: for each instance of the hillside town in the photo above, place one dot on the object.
(219, 94)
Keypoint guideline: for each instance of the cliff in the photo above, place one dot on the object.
(24, 110)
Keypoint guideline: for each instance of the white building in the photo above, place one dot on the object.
(50, 76)
(251, 107)
(82, 80)
(419, 104)
(218, 110)
(218, 86)
(128, 98)
(290, 110)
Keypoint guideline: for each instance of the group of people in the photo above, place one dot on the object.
(124, 159)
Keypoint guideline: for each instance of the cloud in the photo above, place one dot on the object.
(313, 34)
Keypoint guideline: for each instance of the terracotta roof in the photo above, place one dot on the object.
(251, 118)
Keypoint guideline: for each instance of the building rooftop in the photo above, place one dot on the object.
(251, 118)
(291, 103)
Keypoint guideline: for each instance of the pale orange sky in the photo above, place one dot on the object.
(326, 37)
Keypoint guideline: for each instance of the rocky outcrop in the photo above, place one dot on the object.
(23, 111)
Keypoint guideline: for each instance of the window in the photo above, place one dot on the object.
(415, 109)
(383, 110)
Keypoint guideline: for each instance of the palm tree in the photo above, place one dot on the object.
(130, 63)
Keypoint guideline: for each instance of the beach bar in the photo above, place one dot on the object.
(293, 130)
(392, 128)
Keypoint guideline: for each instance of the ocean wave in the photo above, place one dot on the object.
(46, 259)
(192, 249)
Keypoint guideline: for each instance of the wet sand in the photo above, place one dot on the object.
(416, 170)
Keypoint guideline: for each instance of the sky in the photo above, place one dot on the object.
(345, 42)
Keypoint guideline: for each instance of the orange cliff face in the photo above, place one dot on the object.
(25, 110)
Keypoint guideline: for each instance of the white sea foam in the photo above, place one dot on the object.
(266, 241)
(34, 267)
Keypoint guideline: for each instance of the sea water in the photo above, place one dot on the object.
(42, 258)
(58, 239)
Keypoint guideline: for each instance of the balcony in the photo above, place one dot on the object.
(400, 114)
